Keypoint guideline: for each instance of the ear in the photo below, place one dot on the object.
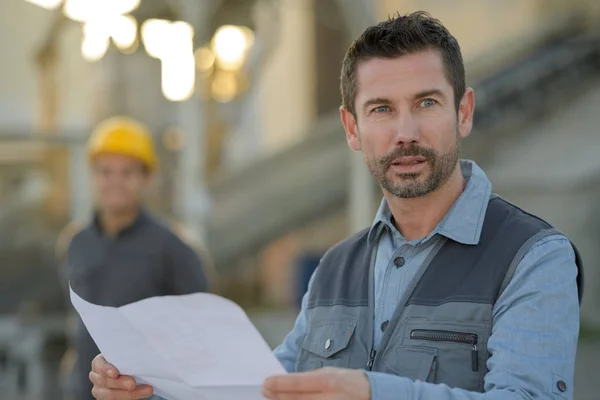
(351, 128)
(465, 113)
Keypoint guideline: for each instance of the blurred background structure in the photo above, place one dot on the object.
(242, 96)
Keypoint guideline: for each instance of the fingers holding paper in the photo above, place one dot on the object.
(322, 384)
(108, 384)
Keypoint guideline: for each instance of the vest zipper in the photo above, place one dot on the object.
(449, 336)
(371, 310)
(371, 359)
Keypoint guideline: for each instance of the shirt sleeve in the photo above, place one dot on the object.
(183, 271)
(287, 351)
(534, 336)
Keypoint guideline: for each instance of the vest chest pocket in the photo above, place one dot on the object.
(326, 345)
(461, 349)
(415, 363)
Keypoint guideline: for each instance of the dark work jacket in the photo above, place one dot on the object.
(144, 260)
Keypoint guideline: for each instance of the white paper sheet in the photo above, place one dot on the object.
(197, 346)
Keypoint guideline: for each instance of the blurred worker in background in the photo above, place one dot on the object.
(123, 254)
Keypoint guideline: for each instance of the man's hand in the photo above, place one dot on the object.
(322, 384)
(108, 385)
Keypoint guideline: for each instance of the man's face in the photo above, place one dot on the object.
(406, 124)
(118, 182)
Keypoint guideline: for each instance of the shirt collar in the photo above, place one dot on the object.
(139, 221)
(464, 220)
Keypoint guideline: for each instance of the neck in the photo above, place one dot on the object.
(113, 222)
(416, 218)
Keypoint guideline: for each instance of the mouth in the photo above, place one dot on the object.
(408, 165)
(409, 160)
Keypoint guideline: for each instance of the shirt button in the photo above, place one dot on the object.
(562, 386)
(399, 262)
(328, 344)
(384, 325)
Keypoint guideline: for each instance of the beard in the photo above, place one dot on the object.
(412, 185)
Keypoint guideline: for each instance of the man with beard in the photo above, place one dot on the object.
(452, 293)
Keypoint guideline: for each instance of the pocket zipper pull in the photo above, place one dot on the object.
(474, 358)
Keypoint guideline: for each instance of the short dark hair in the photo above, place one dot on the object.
(398, 36)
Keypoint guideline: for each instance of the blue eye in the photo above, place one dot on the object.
(428, 103)
(381, 109)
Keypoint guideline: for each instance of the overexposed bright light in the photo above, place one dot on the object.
(123, 31)
(156, 36)
(121, 6)
(95, 40)
(47, 4)
(79, 10)
(178, 77)
(162, 38)
(178, 63)
(230, 45)
(131, 49)
(93, 47)
(84, 10)
(172, 43)
(96, 28)
(182, 34)
(224, 87)
(205, 59)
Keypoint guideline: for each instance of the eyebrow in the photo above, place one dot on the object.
(416, 96)
(376, 101)
(428, 93)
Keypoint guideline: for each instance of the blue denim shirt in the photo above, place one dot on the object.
(535, 320)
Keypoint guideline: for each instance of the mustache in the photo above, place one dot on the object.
(389, 158)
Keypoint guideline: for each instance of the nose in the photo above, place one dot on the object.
(406, 129)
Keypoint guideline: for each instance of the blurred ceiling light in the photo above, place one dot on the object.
(122, 6)
(131, 49)
(83, 10)
(172, 43)
(230, 44)
(96, 28)
(78, 10)
(205, 59)
(178, 77)
(155, 35)
(182, 35)
(47, 4)
(179, 64)
(124, 31)
(94, 44)
(224, 87)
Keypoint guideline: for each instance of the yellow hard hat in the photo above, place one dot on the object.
(123, 135)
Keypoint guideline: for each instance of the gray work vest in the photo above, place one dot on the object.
(440, 329)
